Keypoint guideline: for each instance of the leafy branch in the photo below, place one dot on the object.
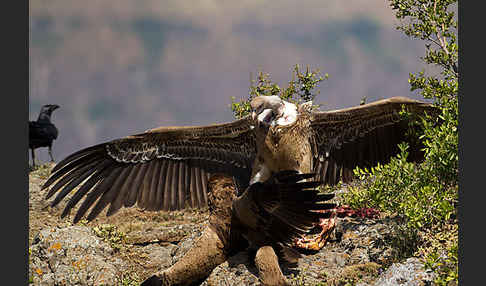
(432, 21)
(301, 88)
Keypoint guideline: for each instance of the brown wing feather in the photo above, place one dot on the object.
(168, 186)
(159, 195)
(198, 185)
(362, 136)
(204, 185)
(282, 208)
(175, 187)
(97, 173)
(144, 190)
(181, 186)
(103, 185)
(110, 194)
(120, 193)
(154, 182)
(160, 169)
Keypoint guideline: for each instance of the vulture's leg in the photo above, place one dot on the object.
(212, 247)
(50, 153)
(206, 253)
(269, 271)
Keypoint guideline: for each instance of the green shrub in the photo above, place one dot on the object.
(404, 189)
(110, 234)
(425, 194)
(299, 90)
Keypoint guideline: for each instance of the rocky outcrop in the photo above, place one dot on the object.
(360, 251)
(408, 273)
(72, 256)
(357, 253)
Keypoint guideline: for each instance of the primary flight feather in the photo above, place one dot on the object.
(167, 168)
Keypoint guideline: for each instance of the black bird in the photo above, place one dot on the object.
(42, 132)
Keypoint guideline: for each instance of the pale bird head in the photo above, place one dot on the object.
(266, 109)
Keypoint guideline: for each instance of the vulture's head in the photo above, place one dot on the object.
(270, 110)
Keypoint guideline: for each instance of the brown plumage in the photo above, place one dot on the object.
(279, 210)
(268, 217)
(167, 168)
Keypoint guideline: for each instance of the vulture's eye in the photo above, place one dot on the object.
(259, 109)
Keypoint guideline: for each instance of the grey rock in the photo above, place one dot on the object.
(159, 256)
(408, 273)
(237, 270)
(81, 258)
(72, 256)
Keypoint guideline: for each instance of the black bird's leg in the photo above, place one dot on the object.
(33, 157)
(50, 153)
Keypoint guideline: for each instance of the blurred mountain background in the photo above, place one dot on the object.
(120, 67)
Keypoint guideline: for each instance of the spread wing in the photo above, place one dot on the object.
(162, 169)
(282, 208)
(363, 136)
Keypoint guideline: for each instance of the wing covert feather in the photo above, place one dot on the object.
(363, 136)
(160, 169)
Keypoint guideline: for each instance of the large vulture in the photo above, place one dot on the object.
(268, 217)
(167, 168)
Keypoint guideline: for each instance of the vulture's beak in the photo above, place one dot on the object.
(265, 117)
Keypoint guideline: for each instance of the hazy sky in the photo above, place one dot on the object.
(120, 67)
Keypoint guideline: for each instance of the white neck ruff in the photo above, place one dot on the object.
(289, 114)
